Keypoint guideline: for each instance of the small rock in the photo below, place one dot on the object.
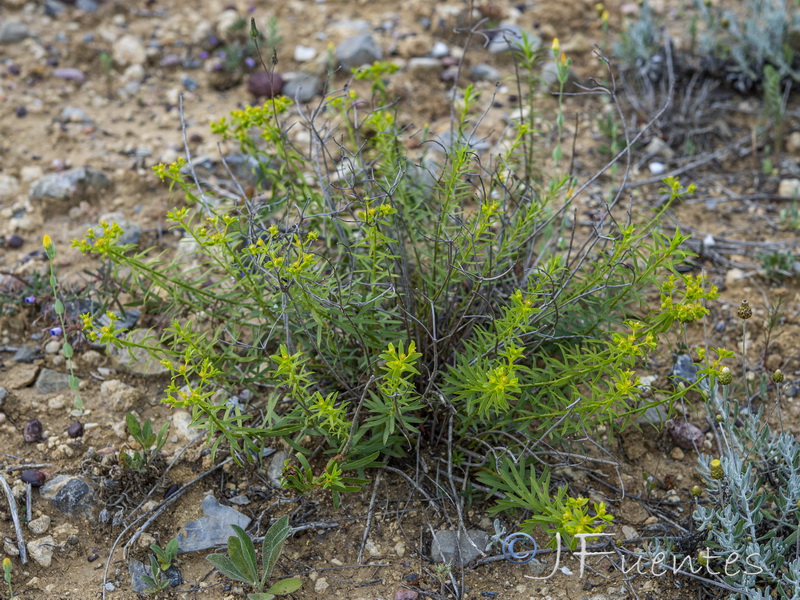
(656, 167)
(414, 47)
(182, 425)
(789, 188)
(41, 550)
(685, 434)
(12, 32)
(510, 38)
(75, 430)
(25, 354)
(483, 72)
(240, 500)
(275, 471)
(51, 382)
(128, 50)
(212, 529)
(57, 403)
(774, 362)
(265, 85)
(3, 395)
(303, 87)
(733, 275)
(137, 360)
(70, 74)
(454, 548)
(655, 416)
(131, 232)
(424, 67)
(358, 50)
(72, 114)
(629, 533)
(684, 369)
(9, 187)
(40, 525)
(321, 584)
(304, 53)
(71, 495)
(677, 454)
(52, 347)
(793, 143)
(35, 478)
(440, 50)
(32, 431)
(59, 190)
(91, 358)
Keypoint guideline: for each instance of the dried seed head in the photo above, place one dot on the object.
(744, 312)
(777, 376)
(719, 418)
(716, 469)
(725, 376)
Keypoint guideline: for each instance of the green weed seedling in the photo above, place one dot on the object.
(149, 442)
(240, 563)
(160, 561)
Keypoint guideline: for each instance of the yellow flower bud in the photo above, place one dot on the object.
(716, 469)
(47, 242)
(555, 47)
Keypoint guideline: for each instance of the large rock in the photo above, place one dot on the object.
(455, 548)
(51, 382)
(302, 87)
(12, 32)
(71, 495)
(60, 191)
(213, 529)
(358, 50)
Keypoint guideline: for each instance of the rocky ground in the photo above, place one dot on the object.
(89, 101)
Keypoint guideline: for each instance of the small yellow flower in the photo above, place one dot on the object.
(47, 242)
(555, 47)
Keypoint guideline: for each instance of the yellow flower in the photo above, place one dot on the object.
(47, 242)
(555, 47)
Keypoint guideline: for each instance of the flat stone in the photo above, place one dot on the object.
(358, 50)
(212, 529)
(275, 470)
(3, 395)
(51, 382)
(25, 354)
(40, 525)
(484, 72)
(58, 191)
(12, 32)
(303, 87)
(122, 396)
(509, 38)
(455, 548)
(138, 360)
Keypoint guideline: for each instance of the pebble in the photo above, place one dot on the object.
(677, 454)
(321, 584)
(440, 50)
(40, 525)
(122, 396)
(685, 434)
(41, 550)
(34, 477)
(212, 529)
(414, 47)
(25, 354)
(358, 50)
(52, 347)
(451, 547)
(91, 358)
(265, 85)
(32, 432)
(51, 382)
(61, 190)
(12, 32)
(302, 87)
(9, 186)
(128, 50)
(304, 53)
(70, 74)
(483, 72)
(3, 395)
(789, 188)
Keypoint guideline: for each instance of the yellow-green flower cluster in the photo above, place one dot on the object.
(258, 117)
(99, 243)
(631, 345)
(576, 519)
(686, 306)
(715, 367)
(102, 335)
(374, 214)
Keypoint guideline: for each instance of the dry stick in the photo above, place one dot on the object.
(28, 466)
(375, 485)
(160, 509)
(12, 505)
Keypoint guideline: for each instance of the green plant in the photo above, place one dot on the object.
(564, 515)
(160, 561)
(150, 444)
(66, 348)
(7, 570)
(791, 216)
(777, 264)
(393, 298)
(773, 106)
(240, 563)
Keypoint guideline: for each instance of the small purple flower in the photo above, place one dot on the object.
(213, 41)
(55, 331)
(204, 55)
(251, 9)
(30, 299)
(222, 54)
(250, 62)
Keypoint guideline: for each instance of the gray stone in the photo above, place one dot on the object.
(655, 416)
(51, 382)
(131, 231)
(444, 143)
(244, 167)
(440, 50)
(12, 32)
(3, 395)
(484, 72)
(73, 185)
(134, 359)
(424, 67)
(456, 548)
(303, 87)
(684, 370)
(358, 50)
(275, 470)
(87, 5)
(212, 529)
(71, 495)
(125, 321)
(25, 354)
(509, 38)
(53, 8)
(72, 114)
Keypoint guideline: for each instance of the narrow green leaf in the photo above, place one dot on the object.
(133, 426)
(285, 586)
(59, 307)
(226, 567)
